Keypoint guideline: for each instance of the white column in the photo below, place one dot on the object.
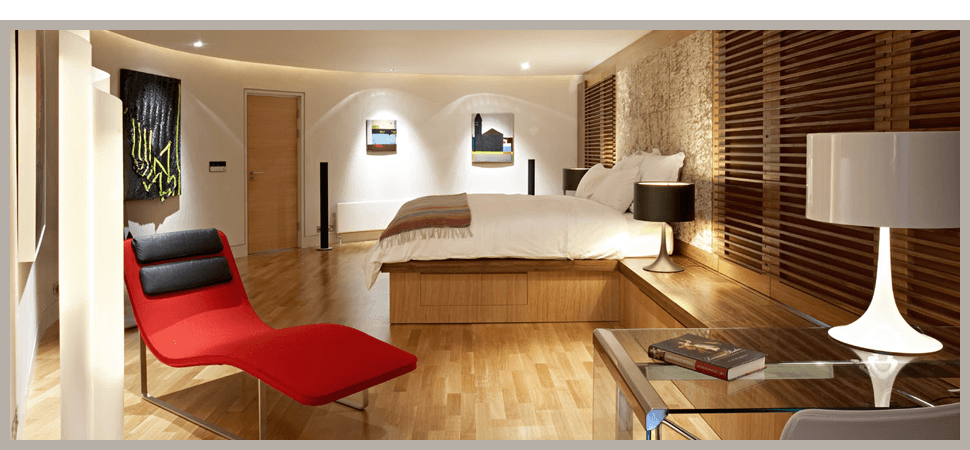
(90, 248)
(108, 305)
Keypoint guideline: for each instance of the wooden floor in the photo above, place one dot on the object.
(490, 381)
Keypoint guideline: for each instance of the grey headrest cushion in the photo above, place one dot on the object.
(177, 244)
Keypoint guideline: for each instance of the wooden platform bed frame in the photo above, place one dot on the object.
(503, 290)
(523, 290)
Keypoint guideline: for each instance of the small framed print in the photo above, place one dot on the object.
(382, 136)
(492, 137)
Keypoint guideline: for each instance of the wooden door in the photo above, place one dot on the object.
(271, 162)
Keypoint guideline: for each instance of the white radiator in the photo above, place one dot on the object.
(353, 217)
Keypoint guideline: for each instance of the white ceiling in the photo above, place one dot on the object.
(444, 52)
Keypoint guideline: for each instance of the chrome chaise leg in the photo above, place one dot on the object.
(358, 406)
(261, 400)
(184, 414)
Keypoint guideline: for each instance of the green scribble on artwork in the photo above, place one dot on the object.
(156, 169)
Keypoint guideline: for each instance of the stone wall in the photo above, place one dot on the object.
(664, 101)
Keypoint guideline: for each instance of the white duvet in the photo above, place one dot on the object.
(531, 227)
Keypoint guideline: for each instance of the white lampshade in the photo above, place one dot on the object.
(885, 179)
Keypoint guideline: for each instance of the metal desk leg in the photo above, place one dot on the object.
(678, 429)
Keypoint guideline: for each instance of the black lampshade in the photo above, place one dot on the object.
(571, 177)
(663, 202)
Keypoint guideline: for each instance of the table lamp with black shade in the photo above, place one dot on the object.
(571, 178)
(886, 180)
(655, 201)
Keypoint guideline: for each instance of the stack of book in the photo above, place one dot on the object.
(708, 356)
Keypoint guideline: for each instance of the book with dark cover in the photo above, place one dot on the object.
(708, 356)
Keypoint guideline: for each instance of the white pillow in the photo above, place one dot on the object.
(616, 191)
(594, 176)
(661, 167)
(634, 159)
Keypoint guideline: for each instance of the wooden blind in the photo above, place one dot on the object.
(600, 123)
(773, 88)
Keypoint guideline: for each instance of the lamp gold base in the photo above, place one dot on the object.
(663, 263)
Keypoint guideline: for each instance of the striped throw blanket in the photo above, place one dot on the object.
(435, 216)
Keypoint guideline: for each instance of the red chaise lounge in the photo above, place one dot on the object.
(192, 310)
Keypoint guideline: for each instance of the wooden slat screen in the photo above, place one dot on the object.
(599, 144)
(774, 87)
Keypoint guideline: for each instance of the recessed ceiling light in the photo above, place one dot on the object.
(525, 65)
(198, 43)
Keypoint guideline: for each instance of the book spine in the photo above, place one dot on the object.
(692, 364)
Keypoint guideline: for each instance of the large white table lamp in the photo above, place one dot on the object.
(886, 180)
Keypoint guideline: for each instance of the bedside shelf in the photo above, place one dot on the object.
(698, 297)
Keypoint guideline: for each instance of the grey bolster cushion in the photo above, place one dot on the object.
(182, 275)
(178, 244)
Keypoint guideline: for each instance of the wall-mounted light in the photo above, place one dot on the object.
(197, 44)
(525, 65)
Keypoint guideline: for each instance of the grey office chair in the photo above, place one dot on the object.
(939, 422)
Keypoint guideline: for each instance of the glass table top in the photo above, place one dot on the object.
(805, 368)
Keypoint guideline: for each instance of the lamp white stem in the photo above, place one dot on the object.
(882, 327)
(882, 370)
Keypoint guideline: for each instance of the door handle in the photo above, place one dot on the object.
(252, 175)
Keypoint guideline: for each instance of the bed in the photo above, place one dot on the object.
(528, 259)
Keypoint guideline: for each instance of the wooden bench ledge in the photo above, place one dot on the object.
(702, 298)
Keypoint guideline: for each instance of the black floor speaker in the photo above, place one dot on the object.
(324, 210)
(532, 177)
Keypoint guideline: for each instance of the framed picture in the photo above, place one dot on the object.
(492, 139)
(381, 136)
(152, 106)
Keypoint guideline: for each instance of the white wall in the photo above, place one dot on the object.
(36, 312)
(37, 308)
(434, 115)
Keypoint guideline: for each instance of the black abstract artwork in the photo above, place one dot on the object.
(152, 109)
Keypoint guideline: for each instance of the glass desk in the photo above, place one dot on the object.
(805, 368)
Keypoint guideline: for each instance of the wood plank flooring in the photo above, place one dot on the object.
(488, 381)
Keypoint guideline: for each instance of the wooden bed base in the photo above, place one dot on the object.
(503, 290)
